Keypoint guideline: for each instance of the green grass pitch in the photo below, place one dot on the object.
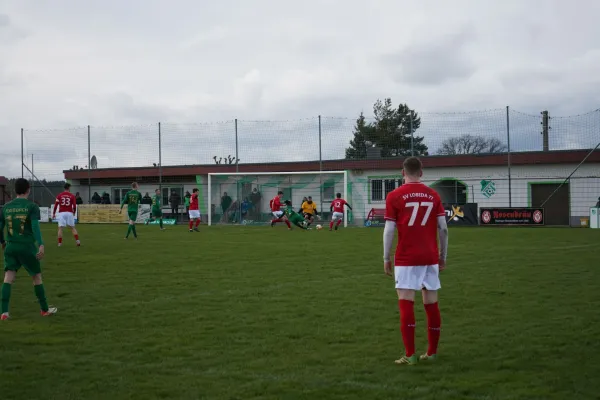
(248, 313)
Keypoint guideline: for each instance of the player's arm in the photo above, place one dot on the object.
(443, 234)
(34, 217)
(2, 241)
(123, 201)
(348, 205)
(388, 233)
(56, 203)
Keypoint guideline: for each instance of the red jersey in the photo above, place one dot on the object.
(338, 205)
(415, 208)
(194, 202)
(65, 202)
(275, 204)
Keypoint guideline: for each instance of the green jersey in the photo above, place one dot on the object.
(132, 199)
(292, 215)
(18, 216)
(156, 203)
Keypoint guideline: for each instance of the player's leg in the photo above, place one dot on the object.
(34, 269)
(339, 222)
(431, 285)
(277, 218)
(197, 222)
(287, 221)
(71, 225)
(132, 219)
(333, 218)
(61, 224)
(9, 278)
(408, 280)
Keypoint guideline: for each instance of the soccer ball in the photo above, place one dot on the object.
(319, 227)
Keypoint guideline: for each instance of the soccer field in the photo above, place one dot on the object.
(252, 312)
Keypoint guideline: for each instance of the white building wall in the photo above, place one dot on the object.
(584, 186)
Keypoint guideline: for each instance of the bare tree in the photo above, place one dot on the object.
(471, 144)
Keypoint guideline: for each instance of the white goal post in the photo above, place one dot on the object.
(241, 187)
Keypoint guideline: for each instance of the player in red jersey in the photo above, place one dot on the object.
(194, 211)
(278, 213)
(337, 209)
(66, 203)
(416, 211)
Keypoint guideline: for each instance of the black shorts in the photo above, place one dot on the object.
(308, 216)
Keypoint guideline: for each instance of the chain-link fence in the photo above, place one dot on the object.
(46, 154)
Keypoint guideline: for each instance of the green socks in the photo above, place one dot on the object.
(128, 230)
(160, 222)
(41, 295)
(133, 230)
(5, 297)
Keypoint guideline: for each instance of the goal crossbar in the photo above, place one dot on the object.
(320, 173)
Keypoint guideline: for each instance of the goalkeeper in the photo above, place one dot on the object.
(293, 216)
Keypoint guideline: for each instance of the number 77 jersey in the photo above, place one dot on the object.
(415, 207)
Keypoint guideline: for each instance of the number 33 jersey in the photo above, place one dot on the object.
(16, 218)
(414, 207)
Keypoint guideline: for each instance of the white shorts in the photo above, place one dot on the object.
(337, 215)
(194, 214)
(277, 214)
(417, 278)
(65, 219)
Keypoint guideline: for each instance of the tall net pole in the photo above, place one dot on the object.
(89, 143)
(508, 155)
(159, 159)
(22, 156)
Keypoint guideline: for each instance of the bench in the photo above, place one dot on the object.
(375, 217)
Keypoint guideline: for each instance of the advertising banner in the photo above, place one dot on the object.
(44, 214)
(461, 215)
(166, 221)
(109, 214)
(511, 216)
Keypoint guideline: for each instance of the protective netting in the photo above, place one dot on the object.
(245, 199)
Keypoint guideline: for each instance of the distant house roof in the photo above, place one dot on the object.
(3, 181)
(469, 160)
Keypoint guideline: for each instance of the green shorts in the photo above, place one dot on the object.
(132, 215)
(22, 255)
(157, 213)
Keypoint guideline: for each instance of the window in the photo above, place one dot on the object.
(118, 194)
(328, 191)
(380, 188)
(166, 195)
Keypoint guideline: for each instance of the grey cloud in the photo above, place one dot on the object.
(433, 62)
(4, 20)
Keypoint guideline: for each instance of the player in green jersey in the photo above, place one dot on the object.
(132, 199)
(21, 218)
(293, 216)
(156, 210)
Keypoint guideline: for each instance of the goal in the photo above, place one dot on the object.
(243, 198)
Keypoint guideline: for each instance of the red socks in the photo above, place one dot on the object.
(191, 223)
(407, 325)
(59, 240)
(288, 223)
(274, 221)
(331, 225)
(76, 237)
(197, 222)
(339, 222)
(434, 323)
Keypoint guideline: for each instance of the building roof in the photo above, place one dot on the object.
(3, 181)
(469, 160)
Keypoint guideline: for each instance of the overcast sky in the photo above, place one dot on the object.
(66, 64)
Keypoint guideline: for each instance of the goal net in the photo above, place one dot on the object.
(243, 198)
